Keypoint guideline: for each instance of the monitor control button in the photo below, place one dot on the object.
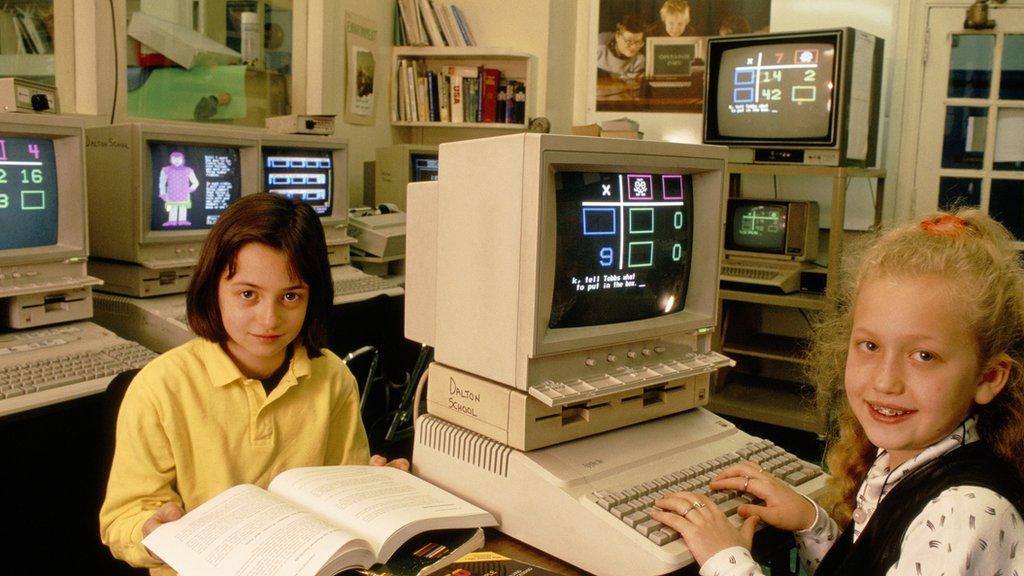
(631, 354)
(590, 362)
(659, 349)
(612, 358)
(646, 351)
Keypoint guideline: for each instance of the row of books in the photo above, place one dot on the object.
(23, 31)
(430, 23)
(457, 94)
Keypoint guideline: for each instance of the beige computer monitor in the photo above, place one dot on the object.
(396, 166)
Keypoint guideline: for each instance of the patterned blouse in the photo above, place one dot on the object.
(965, 531)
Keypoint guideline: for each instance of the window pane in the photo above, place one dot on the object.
(202, 76)
(1006, 204)
(964, 137)
(959, 192)
(26, 40)
(970, 65)
(1011, 79)
(1009, 152)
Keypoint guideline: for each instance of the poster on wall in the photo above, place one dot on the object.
(650, 53)
(360, 37)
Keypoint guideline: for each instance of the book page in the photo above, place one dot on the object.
(247, 531)
(383, 505)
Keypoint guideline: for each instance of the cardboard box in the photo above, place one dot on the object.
(631, 134)
(588, 130)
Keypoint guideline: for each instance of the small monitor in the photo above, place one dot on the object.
(312, 169)
(42, 198)
(156, 188)
(673, 57)
(424, 167)
(398, 165)
(795, 97)
(776, 229)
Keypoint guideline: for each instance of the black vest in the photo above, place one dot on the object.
(878, 546)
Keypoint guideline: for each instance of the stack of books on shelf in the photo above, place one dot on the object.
(457, 94)
(430, 23)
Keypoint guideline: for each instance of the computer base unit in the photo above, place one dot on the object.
(554, 498)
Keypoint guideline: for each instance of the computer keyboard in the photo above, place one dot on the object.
(558, 393)
(632, 505)
(352, 284)
(587, 501)
(781, 277)
(46, 366)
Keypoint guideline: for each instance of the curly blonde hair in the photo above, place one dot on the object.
(977, 255)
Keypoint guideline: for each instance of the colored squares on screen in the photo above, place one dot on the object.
(599, 222)
(641, 254)
(743, 95)
(672, 187)
(744, 77)
(641, 187)
(804, 93)
(641, 220)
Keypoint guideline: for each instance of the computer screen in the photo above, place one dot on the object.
(312, 169)
(156, 188)
(192, 184)
(673, 57)
(29, 201)
(773, 228)
(569, 249)
(42, 194)
(397, 165)
(622, 248)
(424, 167)
(808, 93)
(300, 174)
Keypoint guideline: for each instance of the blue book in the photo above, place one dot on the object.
(460, 21)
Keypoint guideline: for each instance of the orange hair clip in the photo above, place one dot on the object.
(944, 225)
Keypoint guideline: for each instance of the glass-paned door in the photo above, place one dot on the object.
(222, 61)
(971, 148)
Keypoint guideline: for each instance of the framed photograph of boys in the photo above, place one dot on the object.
(650, 53)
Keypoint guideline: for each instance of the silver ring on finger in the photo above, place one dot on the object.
(687, 511)
(746, 481)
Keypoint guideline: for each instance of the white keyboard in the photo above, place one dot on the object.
(587, 501)
(46, 366)
(352, 285)
(780, 278)
(622, 378)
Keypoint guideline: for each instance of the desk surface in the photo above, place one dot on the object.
(771, 545)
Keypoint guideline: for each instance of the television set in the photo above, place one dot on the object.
(314, 170)
(156, 189)
(398, 165)
(795, 97)
(673, 57)
(43, 246)
(771, 228)
(565, 257)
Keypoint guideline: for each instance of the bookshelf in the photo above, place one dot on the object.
(767, 333)
(512, 65)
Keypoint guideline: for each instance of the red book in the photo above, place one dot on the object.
(489, 94)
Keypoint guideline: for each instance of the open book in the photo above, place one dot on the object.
(317, 521)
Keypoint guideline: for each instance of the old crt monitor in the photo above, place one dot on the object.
(396, 166)
(795, 97)
(672, 61)
(771, 228)
(43, 243)
(313, 169)
(156, 190)
(575, 290)
(563, 272)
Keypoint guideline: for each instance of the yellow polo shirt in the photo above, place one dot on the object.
(191, 426)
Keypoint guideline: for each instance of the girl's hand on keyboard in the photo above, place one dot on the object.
(782, 506)
(169, 512)
(702, 525)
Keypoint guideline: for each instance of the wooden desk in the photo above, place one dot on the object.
(769, 544)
